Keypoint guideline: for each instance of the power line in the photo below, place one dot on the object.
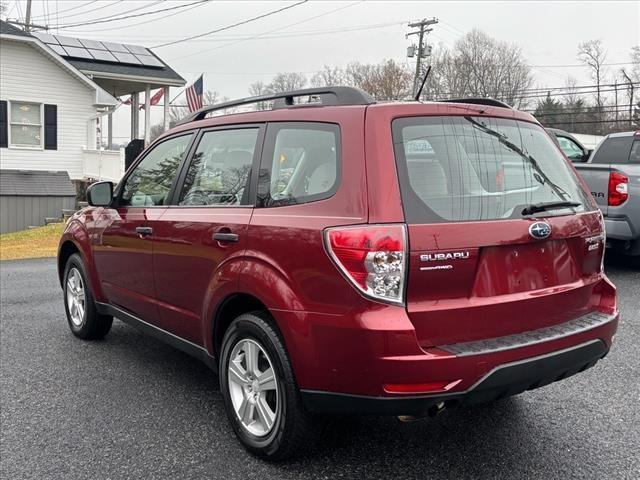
(309, 33)
(144, 22)
(92, 11)
(260, 35)
(72, 8)
(579, 65)
(111, 16)
(111, 19)
(253, 19)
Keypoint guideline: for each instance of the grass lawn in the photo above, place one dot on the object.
(32, 243)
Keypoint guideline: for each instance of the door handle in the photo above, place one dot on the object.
(226, 237)
(144, 231)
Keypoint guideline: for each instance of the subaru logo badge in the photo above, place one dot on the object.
(540, 230)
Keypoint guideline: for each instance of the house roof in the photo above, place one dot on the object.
(32, 183)
(8, 29)
(115, 60)
(165, 73)
(113, 67)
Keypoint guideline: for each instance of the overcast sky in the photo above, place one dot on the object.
(308, 36)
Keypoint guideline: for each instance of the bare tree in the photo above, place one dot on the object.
(328, 77)
(285, 82)
(635, 63)
(593, 55)
(211, 97)
(572, 96)
(479, 65)
(256, 89)
(388, 80)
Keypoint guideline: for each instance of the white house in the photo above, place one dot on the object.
(48, 108)
(53, 92)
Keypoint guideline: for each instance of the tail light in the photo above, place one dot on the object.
(618, 189)
(372, 257)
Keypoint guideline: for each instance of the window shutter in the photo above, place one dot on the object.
(50, 127)
(4, 127)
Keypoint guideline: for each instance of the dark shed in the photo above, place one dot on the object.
(27, 197)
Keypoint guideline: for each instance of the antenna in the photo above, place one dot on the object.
(424, 79)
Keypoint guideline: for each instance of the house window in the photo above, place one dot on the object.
(26, 124)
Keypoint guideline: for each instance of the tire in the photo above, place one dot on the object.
(292, 426)
(82, 316)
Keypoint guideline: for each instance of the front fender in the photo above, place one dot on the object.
(77, 234)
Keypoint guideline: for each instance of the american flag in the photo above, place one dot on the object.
(194, 95)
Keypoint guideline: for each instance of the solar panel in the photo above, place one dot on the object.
(78, 52)
(137, 49)
(92, 44)
(46, 38)
(115, 47)
(103, 55)
(58, 49)
(126, 58)
(68, 41)
(149, 60)
(102, 51)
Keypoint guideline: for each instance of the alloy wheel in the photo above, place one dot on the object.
(75, 297)
(253, 387)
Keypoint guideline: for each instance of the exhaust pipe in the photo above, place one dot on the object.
(434, 411)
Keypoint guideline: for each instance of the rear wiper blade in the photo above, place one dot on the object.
(540, 176)
(541, 207)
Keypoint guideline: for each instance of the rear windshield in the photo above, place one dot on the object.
(455, 169)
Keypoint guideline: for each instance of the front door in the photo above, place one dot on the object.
(123, 251)
(198, 245)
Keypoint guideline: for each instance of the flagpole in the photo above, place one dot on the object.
(183, 91)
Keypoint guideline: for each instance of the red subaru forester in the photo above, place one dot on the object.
(331, 255)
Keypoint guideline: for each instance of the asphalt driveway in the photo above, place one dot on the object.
(132, 407)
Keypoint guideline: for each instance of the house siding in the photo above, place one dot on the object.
(28, 75)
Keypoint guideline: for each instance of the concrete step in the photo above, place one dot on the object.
(49, 220)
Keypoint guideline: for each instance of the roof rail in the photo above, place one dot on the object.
(328, 96)
(480, 101)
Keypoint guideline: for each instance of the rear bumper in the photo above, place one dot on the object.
(619, 228)
(502, 381)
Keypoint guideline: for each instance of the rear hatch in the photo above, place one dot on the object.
(490, 255)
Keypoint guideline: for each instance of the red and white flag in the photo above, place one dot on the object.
(155, 98)
(153, 101)
(194, 95)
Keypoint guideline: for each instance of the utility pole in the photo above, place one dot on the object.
(28, 26)
(423, 49)
(630, 96)
(27, 17)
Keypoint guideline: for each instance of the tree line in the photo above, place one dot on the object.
(478, 65)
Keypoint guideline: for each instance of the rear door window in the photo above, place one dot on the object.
(478, 168)
(220, 170)
(613, 150)
(300, 163)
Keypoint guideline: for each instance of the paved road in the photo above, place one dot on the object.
(131, 407)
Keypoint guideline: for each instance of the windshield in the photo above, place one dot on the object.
(480, 168)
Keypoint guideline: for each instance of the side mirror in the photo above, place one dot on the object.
(100, 194)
